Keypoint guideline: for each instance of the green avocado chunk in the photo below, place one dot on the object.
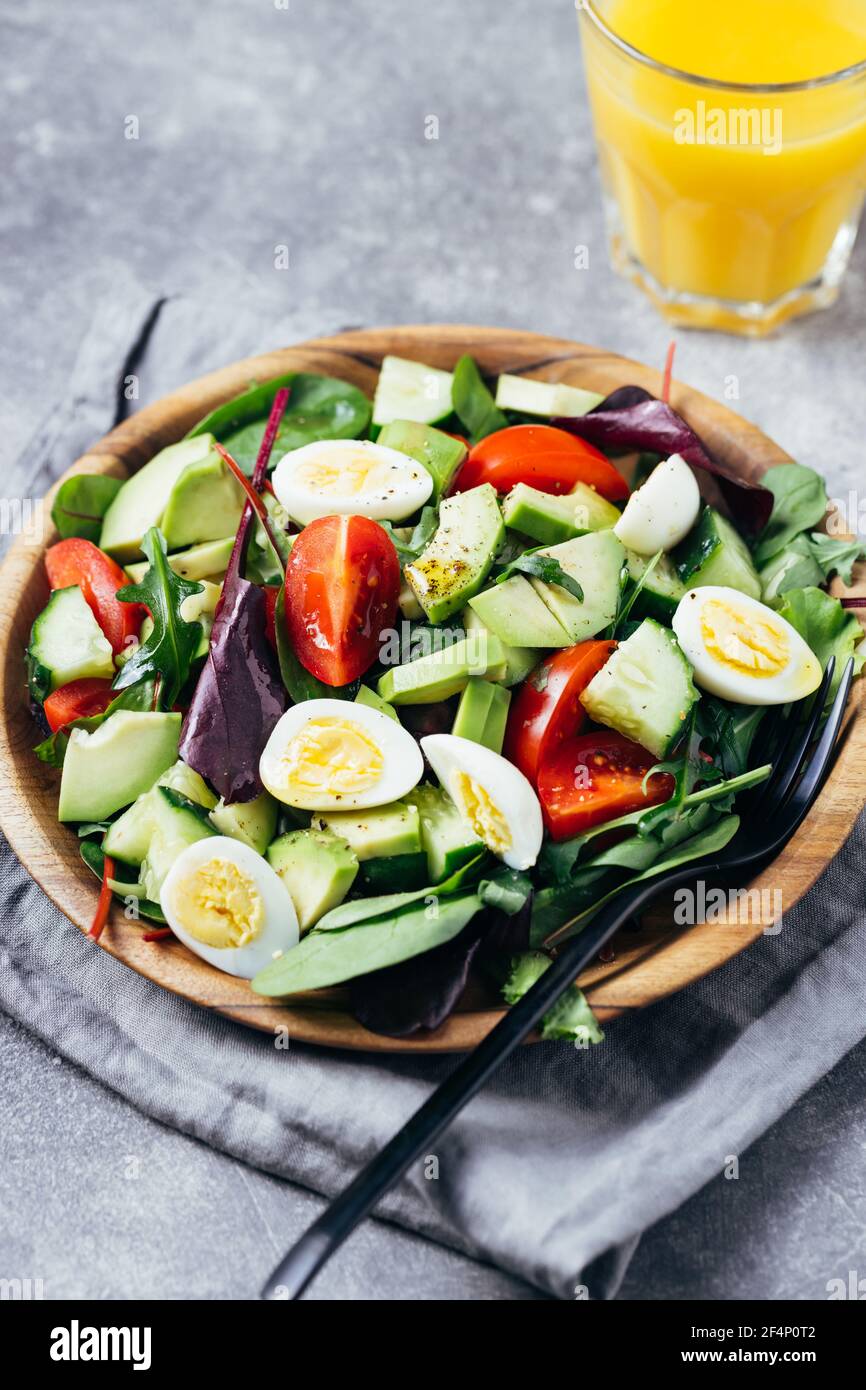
(317, 868)
(376, 834)
(519, 661)
(551, 519)
(254, 821)
(205, 561)
(142, 500)
(518, 616)
(448, 840)
(482, 714)
(205, 504)
(596, 561)
(443, 673)
(459, 558)
(107, 769)
(438, 452)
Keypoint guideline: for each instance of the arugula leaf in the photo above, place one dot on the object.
(166, 655)
(569, 1018)
(330, 957)
(473, 403)
(827, 628)
(545, 567)
(836, 554)
(800, 503)
(141, 696)
(81, 503)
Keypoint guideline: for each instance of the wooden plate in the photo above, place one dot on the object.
(647, 965)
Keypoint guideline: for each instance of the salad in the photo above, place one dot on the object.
(377, 694)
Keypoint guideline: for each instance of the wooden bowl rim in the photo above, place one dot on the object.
(28, 797)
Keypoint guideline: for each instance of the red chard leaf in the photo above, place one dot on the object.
(630, 418)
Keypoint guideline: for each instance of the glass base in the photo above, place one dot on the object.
(753, 320)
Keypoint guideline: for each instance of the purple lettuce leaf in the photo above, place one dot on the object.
(630, 419)
(240, 694)
(420, 992)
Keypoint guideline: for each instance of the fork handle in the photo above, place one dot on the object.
(329, 1230)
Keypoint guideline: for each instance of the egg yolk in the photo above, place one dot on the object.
(742, 641)
(219, 905)
(332, 756)
(346, 474)
(476, 805)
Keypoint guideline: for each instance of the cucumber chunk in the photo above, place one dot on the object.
(66, 644)
(177, 824)
(447, 838)
(714, 553)
(411, 391)
(645, 690)
(127, 839)
(527, 396)
(661, 592)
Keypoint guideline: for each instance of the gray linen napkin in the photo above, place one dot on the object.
(556, 1169)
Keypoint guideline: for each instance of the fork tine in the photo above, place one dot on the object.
(785, 772)
(816, 768)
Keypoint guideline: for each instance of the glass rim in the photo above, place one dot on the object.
(587, 7)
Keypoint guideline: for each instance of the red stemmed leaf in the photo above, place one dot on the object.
(240, 695)
(630, 419)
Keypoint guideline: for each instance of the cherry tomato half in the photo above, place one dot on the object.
(342, 582)
(78, 700)
(546, 709)
(547, 458)
(594, 778)
(77, 561)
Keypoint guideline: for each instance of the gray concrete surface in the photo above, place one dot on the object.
(258, 125)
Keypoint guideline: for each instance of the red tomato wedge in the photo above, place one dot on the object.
(78, 700)
(595, 778)
(546, 709)
(547, 458)
(80, 562)
(342, 582)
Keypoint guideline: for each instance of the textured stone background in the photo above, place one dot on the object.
(258, 126)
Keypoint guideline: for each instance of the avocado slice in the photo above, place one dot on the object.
(375, 834)
(436, 451)
(596, 562)
(107, 769)
(551, 519)
(142, 500)
(458, 559)
(206, 561)
(519, 661)
(254, 821)
(204, 504)
(518, 616)
(366, 696)
(482, 713)
(443, 673)
(318, 869)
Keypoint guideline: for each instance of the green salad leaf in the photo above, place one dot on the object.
(836, 555)
(570, 1018)
(827, 627)
(320, 407)
(800, 504)
(422, 534)
(473, 402)
(166, 655)
(81, 503)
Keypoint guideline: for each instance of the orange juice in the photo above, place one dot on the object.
(734, 178)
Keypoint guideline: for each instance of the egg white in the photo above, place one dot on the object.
(398, 487)
(510, 793)
(279, 931)
(663, 509)
(402, 763)
(798, 677)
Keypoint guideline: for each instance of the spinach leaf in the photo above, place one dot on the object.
(506, 890)
(473, 402)
(729, 732)
(81, 503)
(827, 628)
(142, 696)
(422, 534)
(166, 655)
(569, 1018)
(800, 502)
(351, 914)
(330, 957)
(545, 567)
(836, 555)
(321, 407)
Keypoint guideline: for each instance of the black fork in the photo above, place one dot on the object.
(777, 810)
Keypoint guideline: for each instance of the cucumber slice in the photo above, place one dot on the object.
(714, 553)
(645, 690)
(527, 396)
(66, 644)
(411, 391)
(662, 591)
(448, 840)
(128, 837)
(400, 873)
